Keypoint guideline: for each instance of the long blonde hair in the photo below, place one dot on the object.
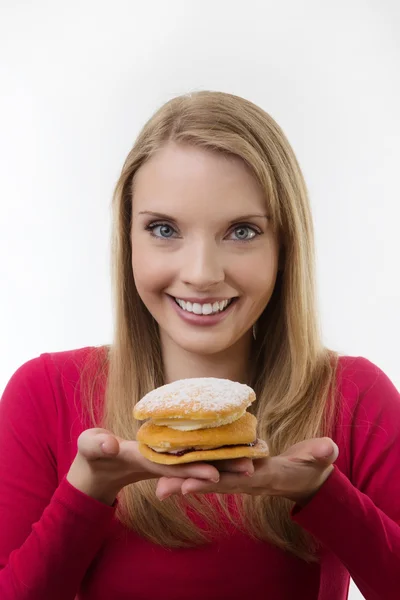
(294, 375)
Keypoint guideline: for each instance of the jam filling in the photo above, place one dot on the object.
(187, 450)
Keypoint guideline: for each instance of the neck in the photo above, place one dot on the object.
(233, 363)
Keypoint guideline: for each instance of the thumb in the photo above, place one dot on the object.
(322, 451)
(97, 443)
(325, 451)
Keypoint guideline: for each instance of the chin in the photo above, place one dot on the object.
(204, 349)
(203, 345)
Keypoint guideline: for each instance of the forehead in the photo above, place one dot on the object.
(184, 176)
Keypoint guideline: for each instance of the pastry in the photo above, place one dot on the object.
(199, 419)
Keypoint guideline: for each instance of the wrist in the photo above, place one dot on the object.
(81, 478)
(304, 498)
(99, 493)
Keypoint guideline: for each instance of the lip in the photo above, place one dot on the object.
(201, 320)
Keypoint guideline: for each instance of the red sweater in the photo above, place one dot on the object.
(56, 542)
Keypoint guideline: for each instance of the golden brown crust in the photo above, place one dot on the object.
(260, 450)
(197, 398)
(242, 431)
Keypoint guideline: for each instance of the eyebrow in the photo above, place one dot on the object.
(169, 218)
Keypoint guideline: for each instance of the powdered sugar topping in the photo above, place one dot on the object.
(207, 394)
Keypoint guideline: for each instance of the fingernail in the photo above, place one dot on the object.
(103, 449)
(326, 451)
(162, 498)
(248, 474)
(215, 480)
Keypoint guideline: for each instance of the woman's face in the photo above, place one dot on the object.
(204, 256)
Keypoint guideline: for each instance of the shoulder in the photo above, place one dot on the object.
(359, 371)
(41, 409)
(42, 379)
(50, 365)
(361, 382)
(368, 424)
(67, 368)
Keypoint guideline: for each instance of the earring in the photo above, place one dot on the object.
(254, 331)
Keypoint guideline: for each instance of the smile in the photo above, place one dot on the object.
(204, 309)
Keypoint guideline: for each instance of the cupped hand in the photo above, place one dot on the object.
(105, 463)
(296, 474)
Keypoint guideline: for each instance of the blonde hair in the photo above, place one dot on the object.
(294, 375)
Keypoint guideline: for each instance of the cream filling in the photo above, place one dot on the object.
(177, 450)
(193, 424)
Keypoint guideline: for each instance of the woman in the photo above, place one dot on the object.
(210, 206)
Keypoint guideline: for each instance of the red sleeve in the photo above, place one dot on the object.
(358, 518)
(50, 531)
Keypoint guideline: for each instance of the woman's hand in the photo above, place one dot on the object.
(297, 474)
(104, 464)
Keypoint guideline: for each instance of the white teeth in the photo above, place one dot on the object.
(203, 309)
(207, 309)
(197, 308)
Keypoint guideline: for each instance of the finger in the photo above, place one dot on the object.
(166, 486)
(194, 486)
(97, 443)
(192, 470)
(110, 446)
(228, 483)
(321, 450)
(197, 470)
(326, 450)
(235, 465)
(130, 453)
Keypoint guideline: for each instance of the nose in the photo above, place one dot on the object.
(202, 266)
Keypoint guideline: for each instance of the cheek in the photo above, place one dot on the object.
(151, 271)
(256, 276)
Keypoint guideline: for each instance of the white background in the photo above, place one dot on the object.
(80, 78)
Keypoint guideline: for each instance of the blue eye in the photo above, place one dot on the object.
(161, 230)
(241, 233)
(244, 233)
